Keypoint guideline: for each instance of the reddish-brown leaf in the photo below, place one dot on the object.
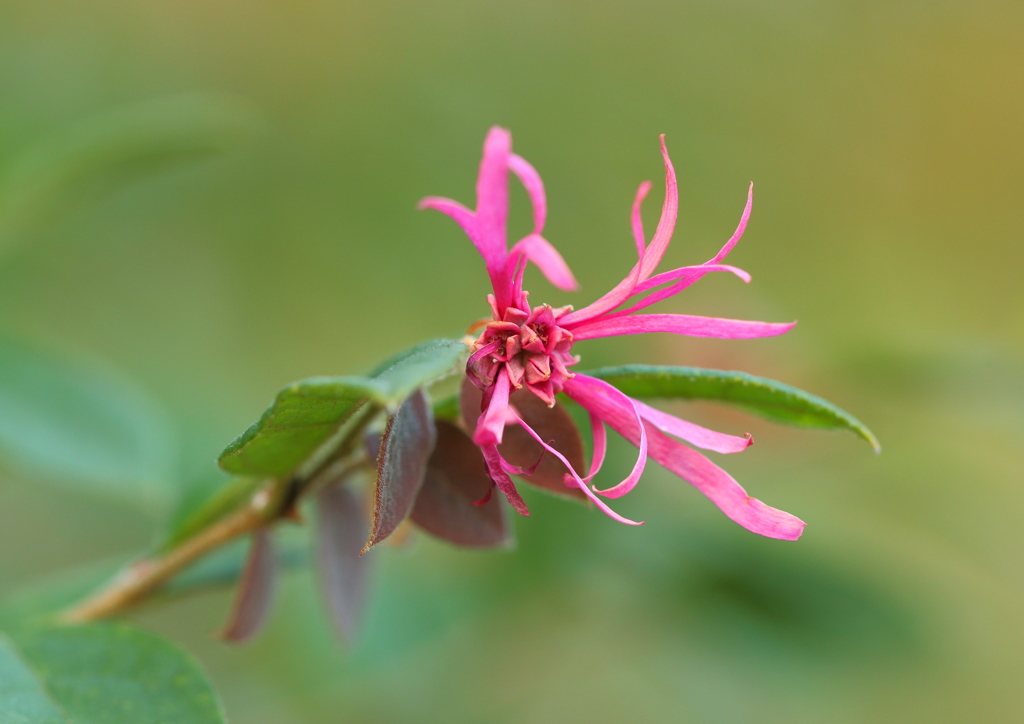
(401, 465)
(255, 591)
(340, 533)
(551, 423)
(456, 479)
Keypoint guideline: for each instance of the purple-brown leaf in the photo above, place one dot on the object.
(340, 533)
(255, 590)
(456, 481)
(401, 465)
(517, 447)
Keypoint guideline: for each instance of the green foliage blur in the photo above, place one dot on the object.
(266, 232)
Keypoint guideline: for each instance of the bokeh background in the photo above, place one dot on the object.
(273, 236)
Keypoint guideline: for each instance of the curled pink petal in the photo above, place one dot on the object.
(501, 479)
(638, 224)
(724, 251)
(667, 223)
(600, 388)
(686, 324)
(491, 426)
(688, 464)
(600, 446)
(459, 213)
(492, 212)
(540, 251)
(651, 256)
(519, 469)
(693, 434)
(686, 275)
(579, 481)
(534, 188)
(480, 368)
(690, 274)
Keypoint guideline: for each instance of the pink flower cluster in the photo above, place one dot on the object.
(530, 348)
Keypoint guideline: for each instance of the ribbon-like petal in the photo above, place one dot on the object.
(462, 216)
(689, 325)
(531, 181)
(693, 434)
(497, 473)
(636, 221)
(579, 481)
(724, 251)
(491, 426)
(551, 264)
(690, 465)
(651, 256)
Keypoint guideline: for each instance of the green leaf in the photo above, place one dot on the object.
(101, 674)
(420, 366)
(301, 419)
(307, 414)
(768, 398)
(83, 426)
(23, 700)
(102, 151)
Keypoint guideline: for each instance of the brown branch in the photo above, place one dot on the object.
(148, 574)
(273, 501)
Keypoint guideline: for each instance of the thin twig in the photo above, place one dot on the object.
(148, 574)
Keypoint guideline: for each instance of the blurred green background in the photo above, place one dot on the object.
(884, 142)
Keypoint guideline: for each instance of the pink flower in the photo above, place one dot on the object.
(531, 348)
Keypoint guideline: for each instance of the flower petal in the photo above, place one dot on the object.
(594, 387)
(686, 275)
(518, 448)
(690, 465)
(693, 434)
(689, 274)
(687, 324)
(540, 251)
(462, 216)
(492, 197)
(491, 424)
(638, 224)
(534, 187)
(650, 257)
(497, 473)
(600, 446)
(724, 251)
(667, 223)
(579, 481)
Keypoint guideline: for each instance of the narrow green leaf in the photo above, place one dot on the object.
(774, 400)
(307, 414)
(105, 674)
(83, 426)
(23, 700)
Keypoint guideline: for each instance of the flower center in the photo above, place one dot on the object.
(530, 346)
